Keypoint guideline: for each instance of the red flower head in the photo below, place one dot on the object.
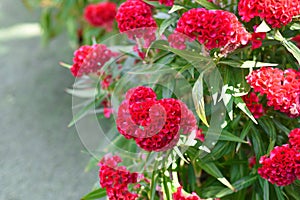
(281, 88)
(213, 28)
(276, 13)
(179, 195)
(101, 14)
(153, 124)
(134, 14)
(253, 104)
(89, 59)
(296, 39)
(294, 139)
(281, 167)
(167, 2)
(116, 178)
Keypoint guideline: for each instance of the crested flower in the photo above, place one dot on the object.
(276, 13)
(281, 167)
(101, 14)
(213, 29)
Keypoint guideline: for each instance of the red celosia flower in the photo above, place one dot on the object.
(281, 167)
(199, 135)
(252, 161)
(213, 28)
(177, 40)
(167, 2)
(253, 104)
(257, 38)
(179, 195)
(281, 88)
(101, 14)
(276, 13)
(294, 138)
(134, 14)
(89, 59)
(115, 179)
(296, 39)
(153, 124)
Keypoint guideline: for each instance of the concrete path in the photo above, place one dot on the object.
(40, 158)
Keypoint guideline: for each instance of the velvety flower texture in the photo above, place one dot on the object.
(115, 179)
(153, 124)
(89, 59)
(276, 13)
(178, 195)
(282, 88)
(294, 139)
(101, 14)
(252, 102)
(281, 167)
(213, 28)
(133, 14)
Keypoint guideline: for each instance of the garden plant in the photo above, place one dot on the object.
(185, 99)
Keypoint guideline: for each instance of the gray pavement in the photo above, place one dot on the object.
(40, 158)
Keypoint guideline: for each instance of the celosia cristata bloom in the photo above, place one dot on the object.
(115, 179)
(257, 38)
(179, 195)
(282, 88)
(281, 167)
(252, 102)
(213, 28)
(296, 39)
(294, 139)
(167, 2)
(276, 13)
(134, 14)
(90, 59)
(153, 124)
(101, 14)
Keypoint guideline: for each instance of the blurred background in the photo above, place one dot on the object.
(40, 158)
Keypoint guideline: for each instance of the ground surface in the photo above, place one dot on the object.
(40, 158)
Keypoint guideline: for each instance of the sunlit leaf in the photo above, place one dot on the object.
(96, 194)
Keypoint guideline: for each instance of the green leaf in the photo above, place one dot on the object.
(295, 26)
(206, 4)
(263, 27)
(245, 131)
(239, 185)
(232, 63)
(252, 64)
(266, 190)
(227, 136)
(175, 8)
(278, 193)
(257, 142)
(281, 127)
(213, 170)
(198, 99)
(81, 113)
(96, 194)
(290, 46)
(241, 105)
(165, 24)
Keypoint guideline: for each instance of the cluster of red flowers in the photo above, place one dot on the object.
(115, 179)
(257, 38)
(213, 28)
(276, 13)
(89, 59)
(282, 167)
(101, 14)
(153, 124)
(296, 39)
(178, 195)
(252, 102)
(294, 139)
(281, 88)
(134, 14)
(167, 2)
